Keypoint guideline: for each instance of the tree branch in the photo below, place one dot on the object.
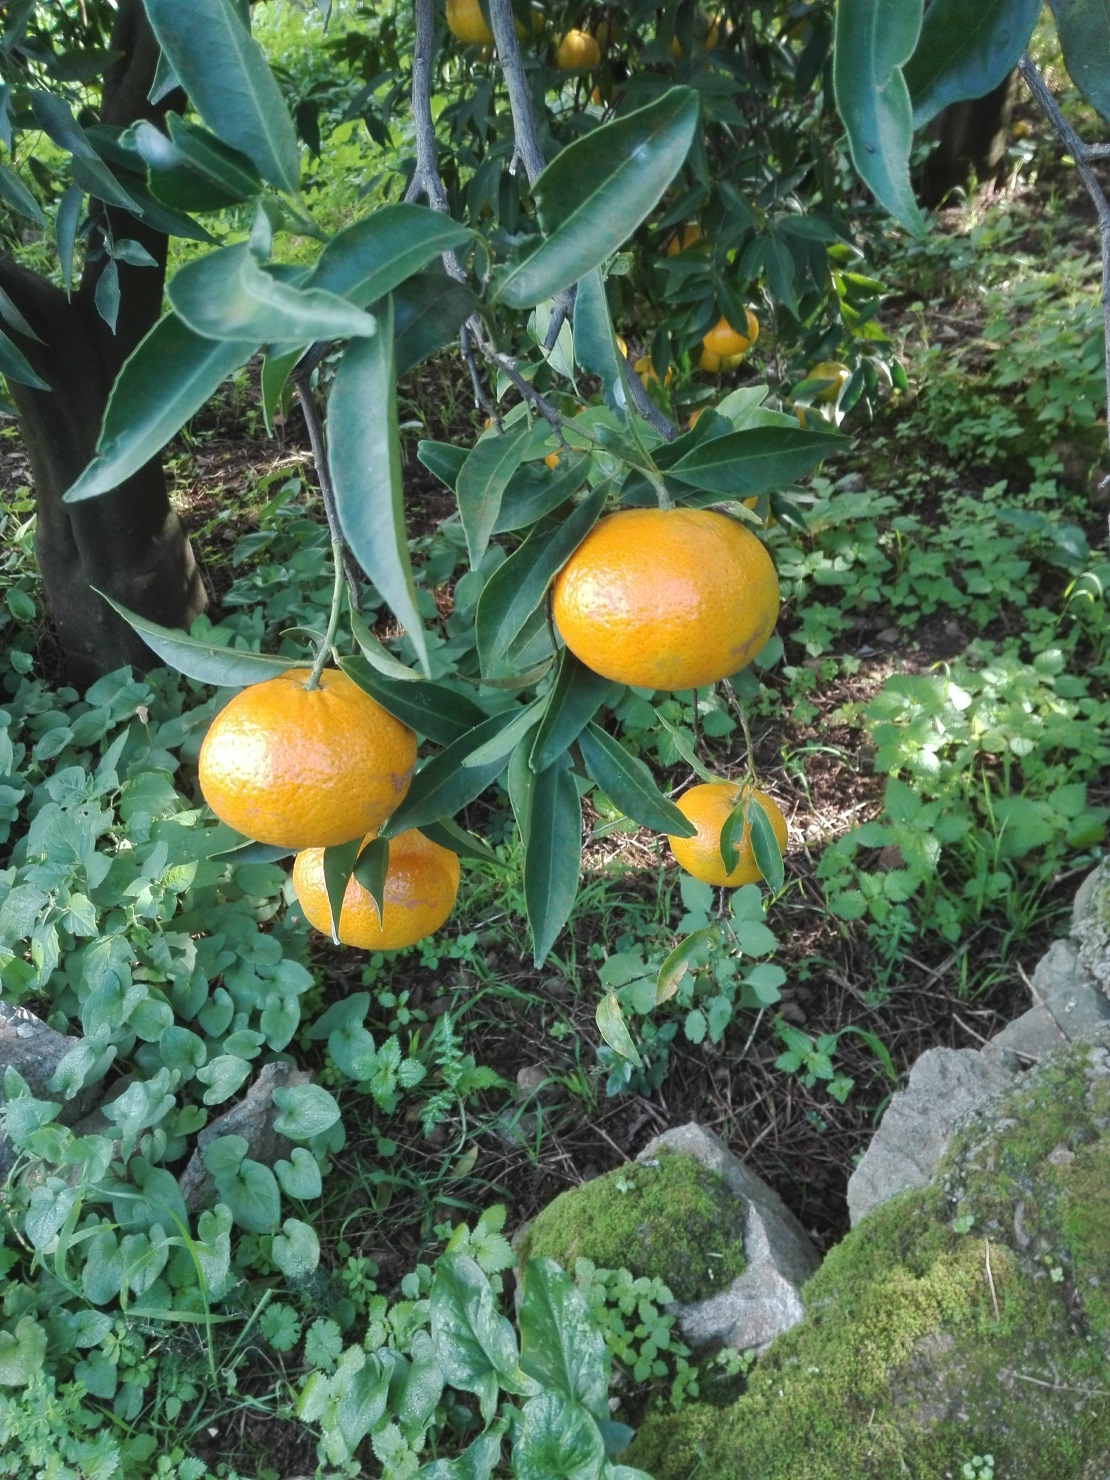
(426, 179)
(1082, 156)
(520, 97)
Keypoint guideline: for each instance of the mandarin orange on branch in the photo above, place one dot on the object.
(300, 767)
(667, 598)
(421, 882)
(708, 807)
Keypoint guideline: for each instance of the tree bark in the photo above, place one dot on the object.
(971, 139)
(129, 543)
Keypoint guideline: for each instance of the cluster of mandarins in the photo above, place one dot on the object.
(667, 599)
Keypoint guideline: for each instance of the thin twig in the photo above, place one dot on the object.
(315, 429)
(525, 133)
(647, 407)
(1060, 1387)
(990, 1276)
(1082, 156)
(426, 179)
(507, 364)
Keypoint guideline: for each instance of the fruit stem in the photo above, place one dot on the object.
(747, 741)
(333, 620)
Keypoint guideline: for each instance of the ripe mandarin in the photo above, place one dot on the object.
(466, 21)
(297, 767)
(726, 341)
(577, 49)
(708, 807)
(667, 598)
(832, 371)
(421, 882)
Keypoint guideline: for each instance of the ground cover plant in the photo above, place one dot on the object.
(930, 721)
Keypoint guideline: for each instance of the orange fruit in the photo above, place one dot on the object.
(298, 767)
(690, 234)
(667, 598)
(421, 881)
(466, 21)
(725, 341)
(708, 806)
(646, 371)
(831, 370)
(576, 50)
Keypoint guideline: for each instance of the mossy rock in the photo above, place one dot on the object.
(969, 1318)
(670, 1219)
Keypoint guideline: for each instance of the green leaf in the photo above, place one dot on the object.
(428, 310)
(443, 459)
(223, 1075)
(553, 855)
(611, 1026)
(682, 959)
(754, 461)
(377, 654)
(557, 1440)
(252, 1196)
(965, 49)
(364, 455)
(765, 846)
(873, 41)
(596, 192)
(13, 190)
(14, 364)
(1082, 27)
(578, 694)
(506, 740)
(535, 490)
(431, 709)
(300, 1175)
(444, 785)
(203, 661)
(296, 1249)
(482, 480)
(167, 377)
(371, 867)
(595, 346)
(474, 1346)
(448, 834)
(339, 863)
(307, 1111)
(628, 783)
(54, 117)
(229, 82)
(561, 1345)
(22, 1353)
(373, 256)
(181, 178)
(517, 587)
(732, 836)
(226, 295)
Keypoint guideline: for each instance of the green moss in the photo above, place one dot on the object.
(674, 1220)
(906, 1363)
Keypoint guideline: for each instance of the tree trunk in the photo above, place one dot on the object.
(971, 140)
(129, 543)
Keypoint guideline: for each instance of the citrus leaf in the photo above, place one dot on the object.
(428, 310)
(596, 192)
(1082, 27)
(175, 178)
(629, 785)
(370, 258)
(595, 346)
(873, 41)
(375, 653)
(229, 82)
(611, 1026)
(965, 49)
(686, 751)
(221, 165)
(251, 852)
(482, 480)
(364, 455)
(765, 846)
(681, 960)
(443, 459)
(13, 190)
(339, 863)
(431, 709)
(732, 835)
(535, 490)
(578, 694)
(166, 378)
(501, 744)
(754, 461)
(517, 587)
(14, 364)
(277, 365)
(449, 834)
(519, 781)
(444, 785)
(203, 661)
(226, 295)
(553, 855)
(370, 870)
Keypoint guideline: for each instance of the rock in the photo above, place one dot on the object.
(252, 1118)
(944, 1085)
(764, 1300)
(535, 1081)
(690, 1213)
(1025, 1040)
(1070, 995)
(35, 1050)
(1091, 927)
(968, 1317)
